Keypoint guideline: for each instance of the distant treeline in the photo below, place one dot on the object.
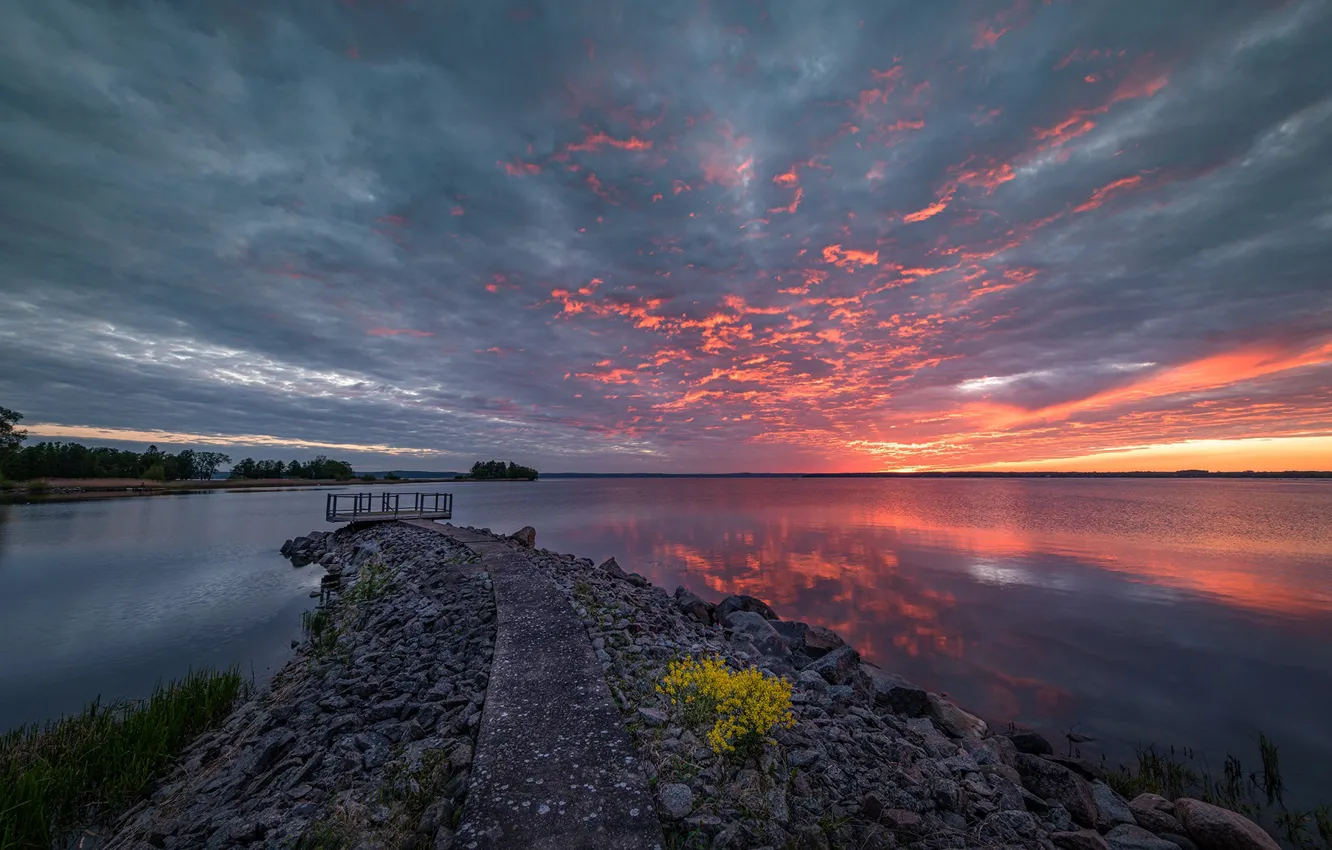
(498, 469)
(319, 468)
(73, 460)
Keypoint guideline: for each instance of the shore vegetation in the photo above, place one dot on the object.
(90, 767)
(498, 470)
(738, 708)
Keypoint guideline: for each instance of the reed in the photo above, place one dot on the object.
(90, 767)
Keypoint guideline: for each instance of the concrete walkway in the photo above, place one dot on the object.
(554, 766)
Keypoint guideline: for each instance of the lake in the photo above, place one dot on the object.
(1184, 612)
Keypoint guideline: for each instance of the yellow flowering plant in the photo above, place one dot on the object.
(740, 706)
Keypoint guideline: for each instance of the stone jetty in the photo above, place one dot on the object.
(464, 689)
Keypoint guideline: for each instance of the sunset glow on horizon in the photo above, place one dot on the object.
(736, 236)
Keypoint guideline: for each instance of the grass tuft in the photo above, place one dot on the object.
(88, 768)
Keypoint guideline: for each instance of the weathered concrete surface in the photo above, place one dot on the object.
(554, 766)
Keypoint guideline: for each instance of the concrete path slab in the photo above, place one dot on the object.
(554, 766)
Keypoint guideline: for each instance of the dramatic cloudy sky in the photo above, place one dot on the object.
(674, 236)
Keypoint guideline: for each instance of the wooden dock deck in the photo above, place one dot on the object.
(387, 507)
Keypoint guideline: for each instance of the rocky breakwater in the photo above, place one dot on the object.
(871, 761)
(365, 739)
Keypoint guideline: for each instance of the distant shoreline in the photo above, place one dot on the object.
(1184, 474)
(73, 489)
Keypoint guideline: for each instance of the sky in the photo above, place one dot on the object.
(706, 236)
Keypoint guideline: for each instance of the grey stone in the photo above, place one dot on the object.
(896, 694)
(653, 716)
(1126, 836)
(1155, 814)
(1052, 781)
(610, 565)
(525, 537)
(954, 720)
(1214, 828)
(677, 800)
(695, 607)
(838, 667)
(814, 641)
(1026, 741)
(1111, 809)
(270, 748)
(758, 630)
(744, 603)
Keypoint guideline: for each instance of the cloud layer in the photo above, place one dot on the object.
(671, 236)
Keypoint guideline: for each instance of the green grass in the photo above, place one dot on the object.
(374, 583)
(90, 767)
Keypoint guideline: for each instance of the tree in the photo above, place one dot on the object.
(187, 465)
(10, 438)
(206, 463)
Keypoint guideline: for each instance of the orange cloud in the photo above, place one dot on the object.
(1208, 373)
(930, 211)
(1102, 194)
(849, 259)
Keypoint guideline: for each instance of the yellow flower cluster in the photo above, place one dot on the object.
(741, 706)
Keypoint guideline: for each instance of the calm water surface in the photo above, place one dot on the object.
(1184, 612)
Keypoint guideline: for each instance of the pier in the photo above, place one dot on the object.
(387, 507)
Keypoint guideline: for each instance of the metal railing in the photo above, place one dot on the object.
(352, 506)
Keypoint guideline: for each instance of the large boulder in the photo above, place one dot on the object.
(892, 692)
(1027, 741)
(1112, 809)
(1051, 781)
(525, 537)
(744, 603)
(814, 641)
(838, 667)
(764, 637)
(1155, 814)
(695, 607)
(1126, 836)
(1214, 828)
(611, 566)
(954, 720)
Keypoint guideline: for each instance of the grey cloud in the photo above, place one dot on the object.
(283, 182)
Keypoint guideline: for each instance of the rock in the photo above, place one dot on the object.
(1214, 828)
(637, 580)
(1083, 839)
(744, 603)
(286, 547)
(298, 560)
(811, 680)
(677, 801)
(1155, 814)
(1126, 836)
(837, 667)
(1183, 842)
(1052, 781)
(695, 607)
(896, 694)
(611, 566)
(270, 748)
(1086, 768)
(758, 630)
(653, 716)
(1111, 808)
(1030, 742)
(525, 537)
(954, 720)
(814, 641)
